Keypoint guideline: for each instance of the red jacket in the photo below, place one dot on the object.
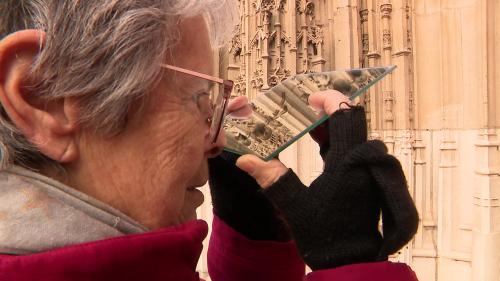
(172, 254)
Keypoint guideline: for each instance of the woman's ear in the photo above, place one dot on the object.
(50, 125)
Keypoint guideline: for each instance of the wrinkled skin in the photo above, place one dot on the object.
(150, 171)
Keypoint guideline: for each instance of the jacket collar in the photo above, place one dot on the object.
(167, 254)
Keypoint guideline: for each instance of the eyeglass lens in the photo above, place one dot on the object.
(222, 91)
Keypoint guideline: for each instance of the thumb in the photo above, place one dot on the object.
(265, 173)
(328, 101)
(238, 108)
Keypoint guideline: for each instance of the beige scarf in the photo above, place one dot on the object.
(39, 214)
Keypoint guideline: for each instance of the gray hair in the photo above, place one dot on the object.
(101, 52)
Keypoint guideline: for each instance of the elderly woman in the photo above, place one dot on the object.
(107, 128)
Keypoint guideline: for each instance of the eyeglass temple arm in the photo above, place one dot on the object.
(194, 73)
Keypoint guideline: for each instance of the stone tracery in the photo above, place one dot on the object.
(279, 38)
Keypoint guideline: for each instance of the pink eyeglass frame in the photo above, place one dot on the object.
(220, 105)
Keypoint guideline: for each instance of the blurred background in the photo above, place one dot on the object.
(437, 112)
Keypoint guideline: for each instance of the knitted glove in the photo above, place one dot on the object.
(237, 200)
(320, 135)
(335, 221)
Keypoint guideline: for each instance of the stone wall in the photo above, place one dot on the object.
(436, 112)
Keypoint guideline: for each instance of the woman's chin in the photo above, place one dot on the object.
(200, 177)
(194, 198)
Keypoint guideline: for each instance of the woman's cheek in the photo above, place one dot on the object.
(191, 144)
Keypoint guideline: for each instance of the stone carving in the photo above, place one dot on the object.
(264, 5)
(365, 43)
(281, 5)
(386, 10)
(236, 45)
(258, 37)
(309, 9)
(285, 38)
(387, 38)
(240, 85)
(310, 41)
(314, 35)
(258, 79)
(388, 102)
(363, 15)
(298, 6)
(279, 74)
(305, 7)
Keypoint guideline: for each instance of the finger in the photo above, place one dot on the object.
(316, 100)
(236, 103)
(265, 173)
(239, 108)
(328, 101)
(242, 113)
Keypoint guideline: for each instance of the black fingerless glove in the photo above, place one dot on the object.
(238, 200)
(335, 221)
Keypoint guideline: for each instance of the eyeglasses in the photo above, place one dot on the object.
(219, 107)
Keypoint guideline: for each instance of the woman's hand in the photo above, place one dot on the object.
(326, 102)
(238, 108)
(267, 173)
(236, 196)
(335, 220)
